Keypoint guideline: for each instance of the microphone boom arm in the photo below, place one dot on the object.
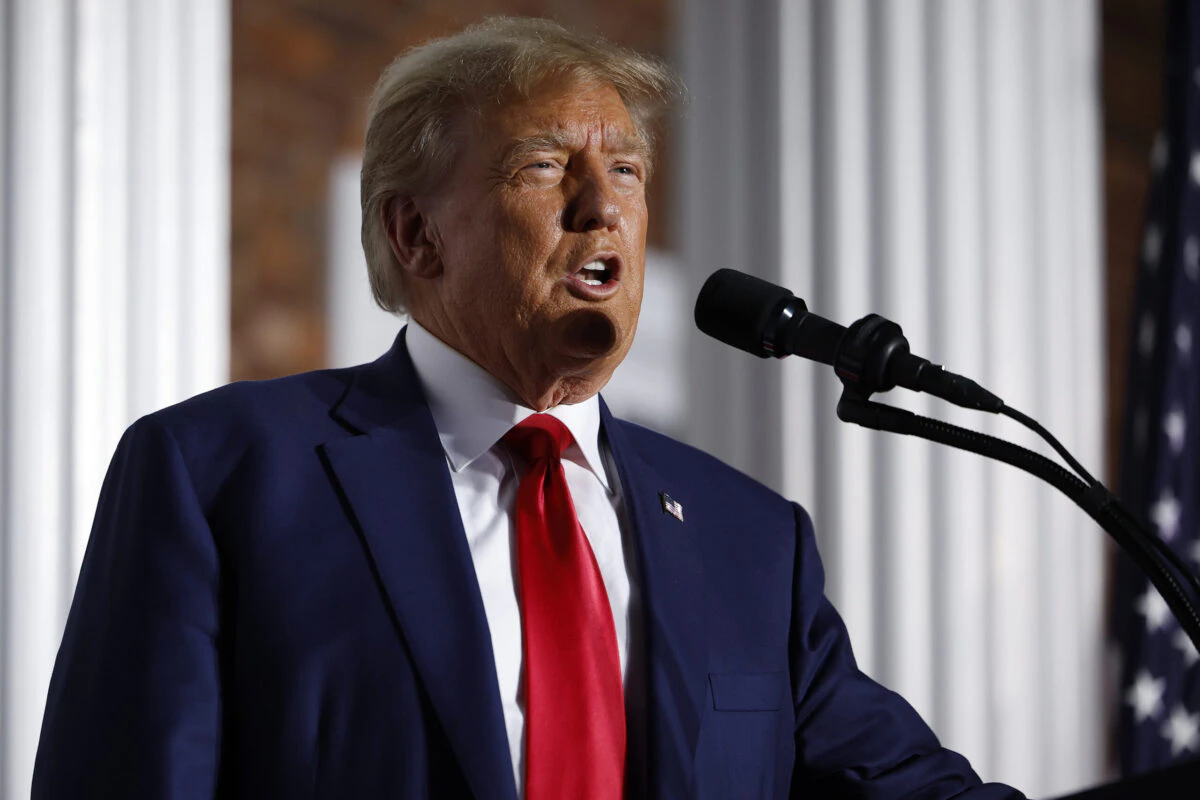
(1147, 550)
(872, 355)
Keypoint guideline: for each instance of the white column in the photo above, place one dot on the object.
(37, 209)
(934, 161)
(962, 604)
(1010, 351)
(114, 240)
(843, 236)
(734, 113)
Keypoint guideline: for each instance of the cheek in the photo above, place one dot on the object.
(637, 216)
(530, 272)
(527, 241)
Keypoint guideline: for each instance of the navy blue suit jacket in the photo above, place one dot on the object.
(278, 601)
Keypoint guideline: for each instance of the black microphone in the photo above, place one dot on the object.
(870, 356)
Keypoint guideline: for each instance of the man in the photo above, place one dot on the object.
(452, 572)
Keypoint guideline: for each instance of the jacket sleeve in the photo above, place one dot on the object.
(134, 705)
(854, 738)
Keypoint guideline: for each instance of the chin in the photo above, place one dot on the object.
(578, 389)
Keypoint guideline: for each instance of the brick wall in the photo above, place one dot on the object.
(302, 73)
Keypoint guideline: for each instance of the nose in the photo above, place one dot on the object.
(595, 205)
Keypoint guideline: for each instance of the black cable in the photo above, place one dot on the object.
(1108, 499)
(1145, 549)
(1129, 519)
(1035, 426)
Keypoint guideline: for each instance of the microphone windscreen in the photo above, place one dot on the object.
(738, 309)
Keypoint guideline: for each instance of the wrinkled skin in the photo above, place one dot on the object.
(538, 188)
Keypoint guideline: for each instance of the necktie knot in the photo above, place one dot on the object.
(539, 436)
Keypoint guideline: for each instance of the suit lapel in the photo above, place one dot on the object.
(394, 479)
(670, 579)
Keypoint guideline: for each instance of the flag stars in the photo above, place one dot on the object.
(1152, 246)
(1183, 339)
(1191, 258)
(1165, 513)
(1145, 695)
(1175, 426)
(1151, 606)
(1183, 643)
(1160, 700)
(1183, 731)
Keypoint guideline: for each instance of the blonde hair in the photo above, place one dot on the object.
(408, 143)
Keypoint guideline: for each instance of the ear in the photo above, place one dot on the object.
(411, 238)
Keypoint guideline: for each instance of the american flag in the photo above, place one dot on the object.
(1159, 719)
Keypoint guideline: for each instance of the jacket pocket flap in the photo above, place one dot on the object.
(748, 691)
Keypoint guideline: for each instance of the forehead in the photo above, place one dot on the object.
(564, 110)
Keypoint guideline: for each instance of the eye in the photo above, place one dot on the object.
(541, 167)
(543, 172)
(627, 172)
(543, 164)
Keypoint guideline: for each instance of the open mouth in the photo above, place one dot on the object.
(596, 273)
(598, 278)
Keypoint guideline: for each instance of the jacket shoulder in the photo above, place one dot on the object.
(291, 403)
(245, 429)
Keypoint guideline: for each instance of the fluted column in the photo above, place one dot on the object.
(114, 242)
(935, 161)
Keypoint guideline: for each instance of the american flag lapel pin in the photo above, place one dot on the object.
(671, 506)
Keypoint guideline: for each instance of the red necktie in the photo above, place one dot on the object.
(574, 707)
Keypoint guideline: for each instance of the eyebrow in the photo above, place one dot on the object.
(622, 143)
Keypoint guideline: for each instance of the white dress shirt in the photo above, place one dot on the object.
(472, 411)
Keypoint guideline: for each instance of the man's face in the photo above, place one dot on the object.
(540, 231)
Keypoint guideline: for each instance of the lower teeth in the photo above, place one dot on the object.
(592, 282)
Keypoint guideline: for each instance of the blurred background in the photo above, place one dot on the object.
(179, 208)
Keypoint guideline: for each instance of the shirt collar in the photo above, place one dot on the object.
(473, 410)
